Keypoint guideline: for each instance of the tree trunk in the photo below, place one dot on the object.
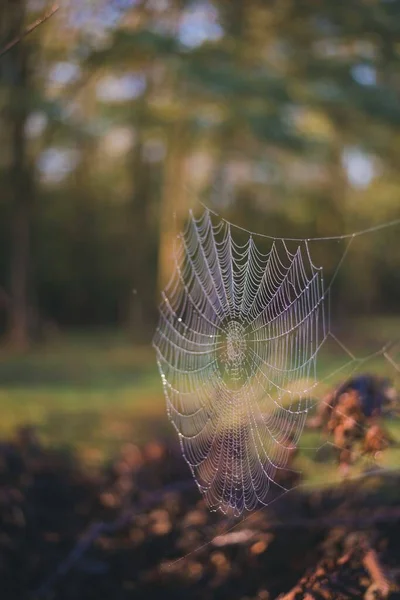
(173, 196)
(138, 300)
(15, 69)
(20, 250)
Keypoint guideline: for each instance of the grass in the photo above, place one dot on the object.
(91, 393)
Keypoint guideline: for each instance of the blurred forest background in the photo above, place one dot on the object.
(116, 116)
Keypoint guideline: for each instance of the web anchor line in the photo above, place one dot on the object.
(372, 229)
(237, 346)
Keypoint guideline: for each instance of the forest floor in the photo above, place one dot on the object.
(127, 533)
(97, 502)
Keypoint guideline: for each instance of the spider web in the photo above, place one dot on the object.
(237, 344)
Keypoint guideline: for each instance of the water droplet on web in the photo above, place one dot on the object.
(232, 401)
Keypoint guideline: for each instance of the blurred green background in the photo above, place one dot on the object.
(116, 117)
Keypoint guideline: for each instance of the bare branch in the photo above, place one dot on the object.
(374, 568)
(54, 8)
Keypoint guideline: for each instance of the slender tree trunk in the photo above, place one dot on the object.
(20, 180)
(173, 196)
(138, 300)
(20, 250)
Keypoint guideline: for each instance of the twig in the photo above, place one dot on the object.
(370, 562)
(100, 527)
(374, 568)
(30, 28)
(94, 531)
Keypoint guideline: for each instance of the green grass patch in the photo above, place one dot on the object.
(91, 393)
(87, 393)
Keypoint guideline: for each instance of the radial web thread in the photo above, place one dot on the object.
(237, 345)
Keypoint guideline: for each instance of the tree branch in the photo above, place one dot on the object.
(54, 8)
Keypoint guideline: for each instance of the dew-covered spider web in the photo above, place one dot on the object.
(237, 346)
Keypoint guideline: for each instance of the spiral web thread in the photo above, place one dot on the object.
(237, 346)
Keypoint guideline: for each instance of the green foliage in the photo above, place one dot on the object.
(283, 93)
(130, 46)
